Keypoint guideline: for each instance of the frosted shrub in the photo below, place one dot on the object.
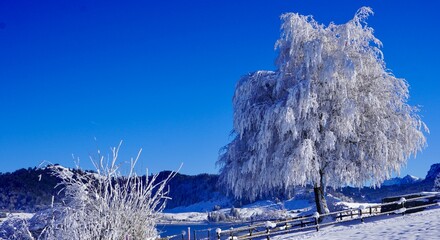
(217, 216)
(15, 228)
(235, 213)
(107, 205)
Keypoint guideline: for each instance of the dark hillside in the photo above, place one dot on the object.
(32, 189)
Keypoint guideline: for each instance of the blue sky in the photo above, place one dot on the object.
(160, 74)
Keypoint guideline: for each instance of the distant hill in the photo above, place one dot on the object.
(395, 186)
(433, 172)
(186, 190)
(27, 189)
(31, 189)
(408, 179)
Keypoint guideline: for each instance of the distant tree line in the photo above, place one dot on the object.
(31, 189)
(27, 189)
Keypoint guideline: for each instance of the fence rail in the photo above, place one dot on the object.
(265, 229)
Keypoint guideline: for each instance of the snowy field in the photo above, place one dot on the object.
(423, 225)
(198, 213)
(18, 215)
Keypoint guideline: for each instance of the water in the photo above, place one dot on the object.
(201, 229)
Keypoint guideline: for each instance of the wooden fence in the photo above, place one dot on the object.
(265, 229)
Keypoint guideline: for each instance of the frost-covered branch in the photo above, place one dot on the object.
(331, 114)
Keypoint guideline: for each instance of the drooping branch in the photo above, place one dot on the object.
(332, 102)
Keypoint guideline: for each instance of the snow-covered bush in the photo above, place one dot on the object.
(234, 213)
(216, 207)
(267, 214)
(107, 205)
(217, 216)
(15, 228)
(221, 216)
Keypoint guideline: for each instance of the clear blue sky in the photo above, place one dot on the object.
(161, 74)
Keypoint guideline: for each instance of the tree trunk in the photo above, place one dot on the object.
(321, 203)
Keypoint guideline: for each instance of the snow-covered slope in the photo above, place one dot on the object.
(260, 210)
(422, 225)
(300, 205)
(204, 206)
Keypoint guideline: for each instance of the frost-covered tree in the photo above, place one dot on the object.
(332, 114)
(106, 204)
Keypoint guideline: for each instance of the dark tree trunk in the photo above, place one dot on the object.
(318, 188)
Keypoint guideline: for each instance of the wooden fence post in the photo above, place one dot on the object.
(218, 231)
(403, 206)
(316, 216)
(360, 215)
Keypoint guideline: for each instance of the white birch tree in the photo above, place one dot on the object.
(332, 114)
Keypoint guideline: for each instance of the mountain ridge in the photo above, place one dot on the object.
(31, 189)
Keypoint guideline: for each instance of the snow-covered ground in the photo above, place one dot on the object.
(17, 215)
(198, 213)
(423, 225)
(183, 217)
(260, 210)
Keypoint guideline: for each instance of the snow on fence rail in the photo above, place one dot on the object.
(405, 204)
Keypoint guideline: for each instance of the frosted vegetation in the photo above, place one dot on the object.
(106, 204)
(331, 115)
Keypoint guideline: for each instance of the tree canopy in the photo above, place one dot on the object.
(332, 114)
